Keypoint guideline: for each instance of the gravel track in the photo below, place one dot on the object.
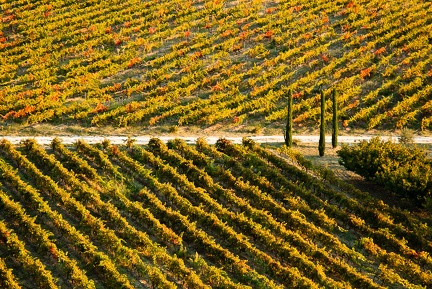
(46, 140)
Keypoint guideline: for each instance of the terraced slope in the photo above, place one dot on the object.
(147, 63)
(179, 216)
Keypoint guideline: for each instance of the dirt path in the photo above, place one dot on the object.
(46, 140)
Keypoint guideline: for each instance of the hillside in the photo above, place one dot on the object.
(180, 216)
(219, 65)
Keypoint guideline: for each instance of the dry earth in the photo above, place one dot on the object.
(46, 140)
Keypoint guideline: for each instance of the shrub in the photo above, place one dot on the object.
(405, 170)
(257, 129)
(173, 129)
(406, 137)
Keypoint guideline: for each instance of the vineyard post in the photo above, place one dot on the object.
(321, 145)
(335, 127)
(288, 129)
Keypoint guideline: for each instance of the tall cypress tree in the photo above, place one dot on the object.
(335, 127)
(288, 129)
(321, 145)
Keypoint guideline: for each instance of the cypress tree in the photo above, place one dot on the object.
(335, 127)
(321, 145)
(288, 129)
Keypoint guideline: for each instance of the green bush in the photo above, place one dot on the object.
(406, 171)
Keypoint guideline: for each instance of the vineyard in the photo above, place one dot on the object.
(208, 63)
(204, 216)
(176, 215)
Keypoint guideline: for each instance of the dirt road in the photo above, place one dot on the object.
(46, 140)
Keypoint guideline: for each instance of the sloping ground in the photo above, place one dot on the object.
(211, 62)
(180, 216)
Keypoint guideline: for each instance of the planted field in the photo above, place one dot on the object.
(147, 63)
(180, 216)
